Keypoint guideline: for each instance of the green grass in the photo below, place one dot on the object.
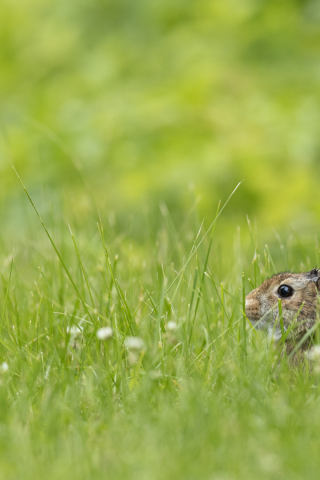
(204, 397)
(119, 116)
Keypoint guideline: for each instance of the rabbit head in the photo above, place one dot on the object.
(299, 294)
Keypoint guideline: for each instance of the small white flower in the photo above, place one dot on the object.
(104, 333)
(74, 330)
(4, 367)
(314, 353)
(154, 375)
(172, 326)
(134, 343)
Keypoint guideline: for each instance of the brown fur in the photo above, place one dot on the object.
(263, 311)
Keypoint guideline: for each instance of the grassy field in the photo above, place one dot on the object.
(124, 352)
(181, 387)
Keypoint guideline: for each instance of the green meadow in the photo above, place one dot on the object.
(158, 161)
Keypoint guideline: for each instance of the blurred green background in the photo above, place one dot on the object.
(161, 102)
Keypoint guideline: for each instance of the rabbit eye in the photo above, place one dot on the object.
(285, 291)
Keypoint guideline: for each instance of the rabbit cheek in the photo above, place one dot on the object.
(307, 312)
(288, 316)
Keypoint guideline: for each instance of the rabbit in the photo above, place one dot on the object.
(299, 294)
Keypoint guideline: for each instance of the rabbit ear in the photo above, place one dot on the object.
(314, 274)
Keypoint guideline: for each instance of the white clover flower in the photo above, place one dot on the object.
(314, 353)
(104, 333)
(4, 367)
(74, 330)
(134, 343)
(172, 326)
(154, 375)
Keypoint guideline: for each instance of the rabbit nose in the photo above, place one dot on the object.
(249, 302)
